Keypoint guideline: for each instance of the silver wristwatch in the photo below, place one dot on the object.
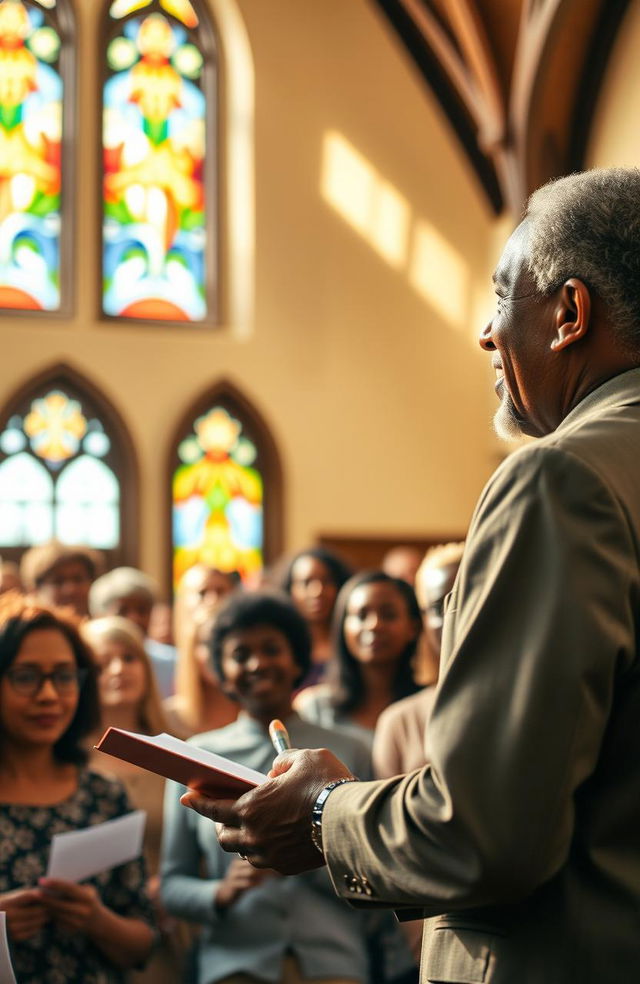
(318, 807)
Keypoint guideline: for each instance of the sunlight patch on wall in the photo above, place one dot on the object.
(435, 265)
(378, 212)
(371, 205)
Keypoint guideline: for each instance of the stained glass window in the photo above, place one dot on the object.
(56, 473)
(32, 95)
(157, 201)
(218, 496)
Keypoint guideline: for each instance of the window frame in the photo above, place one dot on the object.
(124, 461)
(209, 44)
(223, 393)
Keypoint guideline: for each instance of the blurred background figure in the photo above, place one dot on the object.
(313, 579)
(199, 703)
(400, 740)
(402, 562)
(399, 744)
(201, 591)
(9, 577)
(376, 629)
(62, 575)
(161, 623)
(129, 699)
(130, 593)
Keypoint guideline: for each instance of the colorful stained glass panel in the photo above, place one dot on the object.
(218, 497)
(154, 136)
(31, 115)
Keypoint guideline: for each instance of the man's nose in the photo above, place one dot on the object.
(371, 620)
(485, 340)
(315, 588)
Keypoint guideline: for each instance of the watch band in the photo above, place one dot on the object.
(318, 807)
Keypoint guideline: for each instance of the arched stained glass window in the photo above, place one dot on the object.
(63, 459)
(225, 488)
(159, 100)
(36, 65)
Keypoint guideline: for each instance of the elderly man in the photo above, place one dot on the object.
(520, 843)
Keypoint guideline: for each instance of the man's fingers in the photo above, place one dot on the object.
(220, 811)
(283, 762)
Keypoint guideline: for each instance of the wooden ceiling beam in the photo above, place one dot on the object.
(519, 135)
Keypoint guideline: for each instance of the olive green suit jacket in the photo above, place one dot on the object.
(520, 844)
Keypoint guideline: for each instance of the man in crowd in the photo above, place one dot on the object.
(61, 574)
(131, 593)
(519, 843)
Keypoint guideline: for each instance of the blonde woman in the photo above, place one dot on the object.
(130, 699)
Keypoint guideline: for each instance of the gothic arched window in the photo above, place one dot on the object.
(36, 75)
(226, 488)
(158, 151)
(67, 469)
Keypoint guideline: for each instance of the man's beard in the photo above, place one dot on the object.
(506, 422)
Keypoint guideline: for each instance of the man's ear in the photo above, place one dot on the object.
(573, 314)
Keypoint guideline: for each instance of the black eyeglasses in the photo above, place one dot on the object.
(27, 681)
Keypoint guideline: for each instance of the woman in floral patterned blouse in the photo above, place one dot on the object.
(59, 931)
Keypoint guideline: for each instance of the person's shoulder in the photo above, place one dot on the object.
(160, 650)
(346, 741)
(547, 460)
(106, 789)
(317, 696)
(215, 740)
(415, 704)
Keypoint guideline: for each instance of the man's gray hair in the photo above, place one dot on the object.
(117, 584)
(587, 226)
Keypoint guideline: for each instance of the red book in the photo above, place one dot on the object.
(207, 772)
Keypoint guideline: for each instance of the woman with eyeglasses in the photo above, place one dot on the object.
(58, 930)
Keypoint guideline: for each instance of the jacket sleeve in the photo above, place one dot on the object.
(539, 624)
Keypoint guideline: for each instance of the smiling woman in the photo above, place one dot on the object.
(89, 932)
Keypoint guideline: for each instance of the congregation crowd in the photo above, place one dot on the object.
(348, 660)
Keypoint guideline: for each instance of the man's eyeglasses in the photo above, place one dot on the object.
(27, 681)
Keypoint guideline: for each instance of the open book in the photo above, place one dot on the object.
(167, 756)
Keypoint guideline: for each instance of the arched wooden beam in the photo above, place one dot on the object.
(458, 110)
(520, 136)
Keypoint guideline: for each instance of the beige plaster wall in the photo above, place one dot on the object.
(378, 398)
(615, 137)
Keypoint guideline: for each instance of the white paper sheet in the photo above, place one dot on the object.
(6, 970)
(79, 854)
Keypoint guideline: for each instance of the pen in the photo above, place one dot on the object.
(279, 736)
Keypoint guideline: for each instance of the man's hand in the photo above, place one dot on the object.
(26, 913)
(75, 908)
(270, 826)
(240, 877)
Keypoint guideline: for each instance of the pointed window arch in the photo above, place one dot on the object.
(67, 469)
(159, 101)
(37, 69)
(226, 487)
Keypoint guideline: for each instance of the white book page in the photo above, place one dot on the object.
(79, 854)
(204, 757)
(6, 970)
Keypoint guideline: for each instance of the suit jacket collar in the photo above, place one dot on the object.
(620, 390)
